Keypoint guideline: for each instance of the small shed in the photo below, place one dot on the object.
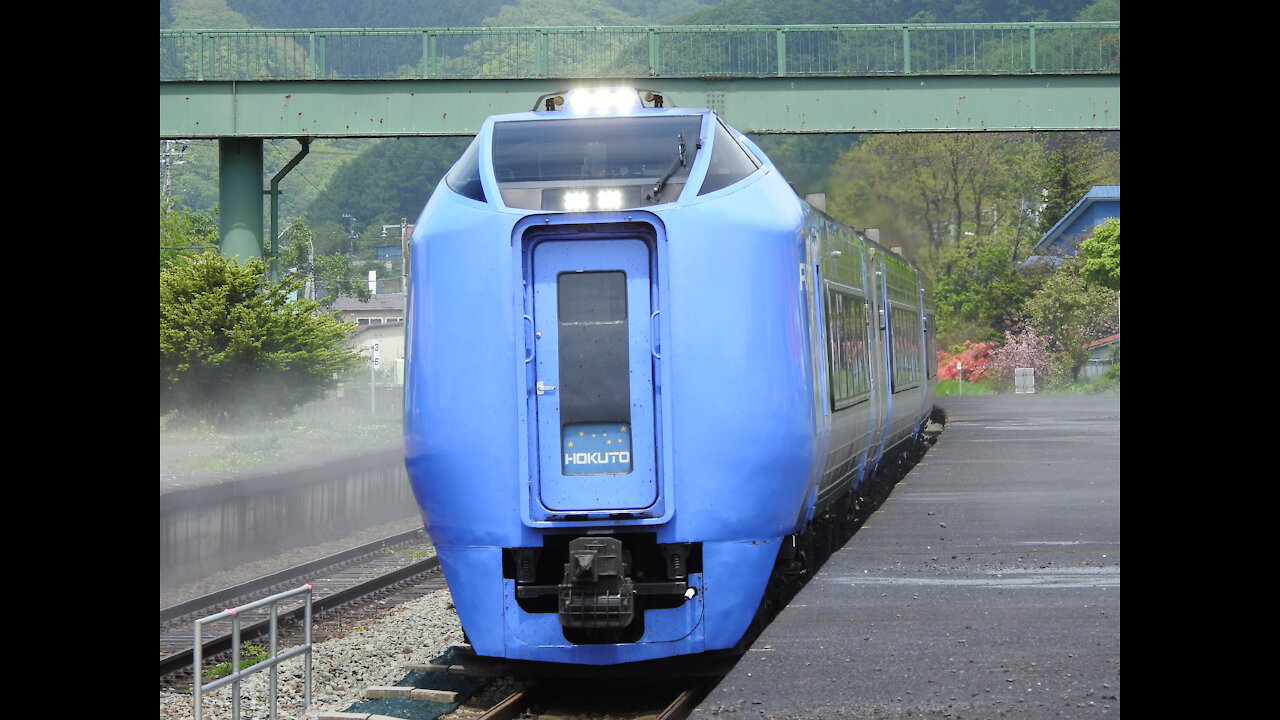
(1102, 354)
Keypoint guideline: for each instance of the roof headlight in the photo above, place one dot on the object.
(576, 201)
(602, 101)
(609, 200)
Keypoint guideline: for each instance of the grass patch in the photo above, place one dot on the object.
(411, 554)
(949, 388)
(203, 449)
(250, 655)
(1106, 384)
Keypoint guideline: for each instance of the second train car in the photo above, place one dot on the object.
(639, 366)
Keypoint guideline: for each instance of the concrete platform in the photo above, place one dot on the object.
(986, 586)
(213, 523)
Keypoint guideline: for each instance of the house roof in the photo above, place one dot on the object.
(379, 301)
(1104, 341)
(1056, 235)
(373, 329)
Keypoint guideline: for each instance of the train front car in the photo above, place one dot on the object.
(610, 412)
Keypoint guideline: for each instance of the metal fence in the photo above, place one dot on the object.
(630, 52)
(198, 688)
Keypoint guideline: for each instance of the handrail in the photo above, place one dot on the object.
(198, 688)
(641, 51)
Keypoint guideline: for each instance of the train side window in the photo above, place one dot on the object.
(464, 177)
(930, 346)
(730, 162)
(905, 350)
(848, 365)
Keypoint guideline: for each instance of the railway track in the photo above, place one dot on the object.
(546, 699)
(396, 564)
(658, 700)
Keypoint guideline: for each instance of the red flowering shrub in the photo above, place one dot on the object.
(975, 359)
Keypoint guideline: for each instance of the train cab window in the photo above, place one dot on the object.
(594, 357)
(464, 177)
(597, 163)
(730, 162)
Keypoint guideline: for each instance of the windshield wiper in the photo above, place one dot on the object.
(652, 195)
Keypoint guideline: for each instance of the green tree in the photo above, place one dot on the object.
(336, 276)
(979, 290)
(1072, 163)
(234, 345)
(183, 231)
(202, 15)
(1070, 312)
(1102, 255)
(1100, 10)
(330, 274)
(925, 191)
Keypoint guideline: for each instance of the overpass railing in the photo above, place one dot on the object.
(632, 52)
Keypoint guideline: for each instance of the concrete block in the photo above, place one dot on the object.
(385, 691)
(440, 696)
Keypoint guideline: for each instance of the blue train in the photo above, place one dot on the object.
(643, 376)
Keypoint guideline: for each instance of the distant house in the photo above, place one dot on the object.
(381, 308)
(379, 322)
(1101, 203)
(1102, 353)
(389, 339)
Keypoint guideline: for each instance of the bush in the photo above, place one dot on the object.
(234, 345)
(1105, 384)
(975, 361)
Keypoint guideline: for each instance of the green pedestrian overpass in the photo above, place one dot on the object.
(241, 86)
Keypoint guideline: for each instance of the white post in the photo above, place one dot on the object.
(373, 387)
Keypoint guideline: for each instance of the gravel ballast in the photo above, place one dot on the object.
(371, 655)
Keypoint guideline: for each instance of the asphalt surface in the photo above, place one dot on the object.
(986, 586)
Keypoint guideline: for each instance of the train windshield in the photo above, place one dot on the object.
(606, 163)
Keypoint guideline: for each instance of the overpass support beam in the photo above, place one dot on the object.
(240, 197)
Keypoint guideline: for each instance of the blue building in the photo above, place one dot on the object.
(1101, 203)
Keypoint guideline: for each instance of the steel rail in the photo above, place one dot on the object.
(684, 704)
(181, 659)
(510, 707)
(681, 706)
(220, 597)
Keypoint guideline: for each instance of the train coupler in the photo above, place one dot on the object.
(596, 592)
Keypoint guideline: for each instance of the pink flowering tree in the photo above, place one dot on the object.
(1024, 350)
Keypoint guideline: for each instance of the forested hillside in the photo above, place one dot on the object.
(221, 14)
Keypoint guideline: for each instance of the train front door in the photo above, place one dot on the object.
(593, 375)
